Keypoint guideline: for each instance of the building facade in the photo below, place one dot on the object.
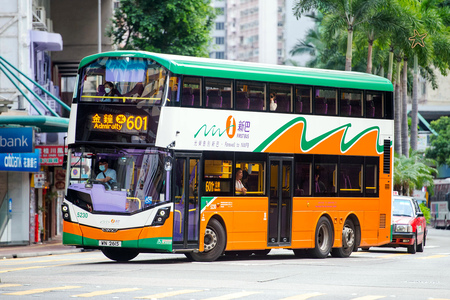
(31, 42)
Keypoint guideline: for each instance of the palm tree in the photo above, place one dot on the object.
(343, 14)
(388, 19)
(435, 51)
(324, 56)
(412, 172)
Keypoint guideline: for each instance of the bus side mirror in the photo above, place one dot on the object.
(64, 164)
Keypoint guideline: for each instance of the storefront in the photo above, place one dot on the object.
(31, 180)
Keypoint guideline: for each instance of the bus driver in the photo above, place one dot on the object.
(106, 175)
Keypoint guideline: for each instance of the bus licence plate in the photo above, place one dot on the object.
(110, 243)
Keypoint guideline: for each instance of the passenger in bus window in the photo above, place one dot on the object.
(319, 186)
(110, 91)
(239, 185)
(273, 104)
(106, 175)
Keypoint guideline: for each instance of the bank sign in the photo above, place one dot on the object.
(20, 162)
(16, 140)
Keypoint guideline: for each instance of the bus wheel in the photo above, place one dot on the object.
(413, 248)
(348, 241)
(323, 239)
(120, 255)
(215, 241)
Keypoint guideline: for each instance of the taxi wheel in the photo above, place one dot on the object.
(215, 241)
(422, 245)
(120, 255)
(413, 248)
(323, 239)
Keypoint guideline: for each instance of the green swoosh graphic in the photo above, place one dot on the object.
(206, 132)
(308, 145)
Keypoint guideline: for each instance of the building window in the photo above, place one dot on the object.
(220, 11)
(220, 26)
(220, 40)
(220, 55)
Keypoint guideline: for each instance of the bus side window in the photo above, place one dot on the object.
(350, 176)
(302, 179)
(217, 177)
(325, 179)
(191, 93)
(253, 177)
(371, 177)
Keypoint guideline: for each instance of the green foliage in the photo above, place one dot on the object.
(440, 144)
(412, 172)
(170, 26)
(426, 212)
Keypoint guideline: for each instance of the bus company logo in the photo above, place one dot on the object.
(164, 242)
(112, 221)
(231, 127)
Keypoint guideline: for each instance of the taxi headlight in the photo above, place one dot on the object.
(403, 228)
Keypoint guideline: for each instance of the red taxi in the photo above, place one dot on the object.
(410, 226)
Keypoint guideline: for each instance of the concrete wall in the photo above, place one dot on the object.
(17, 230)
(267, 31)
(77, 22)
(15, 23)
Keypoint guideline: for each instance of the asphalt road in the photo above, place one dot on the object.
(381, 273)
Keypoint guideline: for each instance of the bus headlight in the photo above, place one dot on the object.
(65, 212)
(161, 216)
(403, 228)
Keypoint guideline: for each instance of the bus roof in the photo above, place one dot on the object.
(197, 66)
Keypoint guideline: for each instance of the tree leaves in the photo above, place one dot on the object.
(165, 26)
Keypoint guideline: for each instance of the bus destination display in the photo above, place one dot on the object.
(119, 122)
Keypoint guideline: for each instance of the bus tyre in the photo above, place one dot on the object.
(323, 240)
(348, 241)
(413, 248)
(120, 255)
(214, 241)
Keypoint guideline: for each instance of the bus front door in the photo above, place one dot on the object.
(186, 201)
(280, 200)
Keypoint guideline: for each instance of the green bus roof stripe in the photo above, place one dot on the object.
(196, 66)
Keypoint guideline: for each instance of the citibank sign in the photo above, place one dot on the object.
(16, 140)
(21, 162)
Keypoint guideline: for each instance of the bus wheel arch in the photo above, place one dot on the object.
(323, 237)
(215, 241)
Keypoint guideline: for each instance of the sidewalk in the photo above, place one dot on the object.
(52, 247)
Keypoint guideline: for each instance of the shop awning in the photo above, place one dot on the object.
(45, 123)
(44, 40)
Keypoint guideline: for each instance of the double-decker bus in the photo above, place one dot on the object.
(440, 204)
(209, 157)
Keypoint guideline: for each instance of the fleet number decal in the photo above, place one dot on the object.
(82, 215)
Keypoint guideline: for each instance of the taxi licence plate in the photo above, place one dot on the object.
(110, 243)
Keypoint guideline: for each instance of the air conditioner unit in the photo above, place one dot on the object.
(40, 14)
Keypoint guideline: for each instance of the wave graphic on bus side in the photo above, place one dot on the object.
(331, 142)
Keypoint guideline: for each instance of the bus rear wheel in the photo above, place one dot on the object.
(348, 241)
(120, 255)
(323, 240)
(214, 241)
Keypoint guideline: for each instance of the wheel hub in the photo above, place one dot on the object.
(348, 237)
(210, 239)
